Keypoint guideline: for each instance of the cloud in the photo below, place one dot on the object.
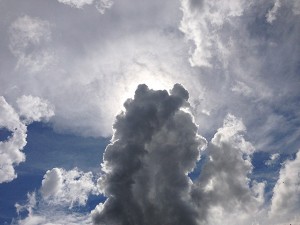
(60, 193)
(155, 145)
(273, 159)
(223, 189)
(39, 212)
(34, 109)
(202, 23)
(271, 15)
(73, 187)
(286, 194)
(153, 149)
(11, 149)
(249, 64)
(145, 174)
(103, 5)
(78, 77)
(76, 3)
(28, 39)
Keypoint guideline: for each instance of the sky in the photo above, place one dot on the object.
(118, 112)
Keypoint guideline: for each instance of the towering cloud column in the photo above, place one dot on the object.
(154, 147)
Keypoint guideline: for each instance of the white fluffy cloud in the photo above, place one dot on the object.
(73, 187)
(40, 212)
(286, 197)
(28, 37)
(34, 109)
(61, 191)
(202, 21)
(244, 46)
(223, 189)
(11, 150)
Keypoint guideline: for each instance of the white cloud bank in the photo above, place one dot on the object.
(11, 149)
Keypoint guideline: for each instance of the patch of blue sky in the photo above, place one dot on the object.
(198, 168)
(15, 191)
(5, 134)
(45, 150)
(267, 173)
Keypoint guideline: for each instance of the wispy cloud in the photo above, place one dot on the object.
(101, 5)
(28, 37)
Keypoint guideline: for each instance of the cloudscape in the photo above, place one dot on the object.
(175, 112)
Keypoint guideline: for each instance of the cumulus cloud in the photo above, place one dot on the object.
(34, 109)
(244, 46)
(145, 174)
(60, 193)
(223, 189)
(73, 187)
(201, 23)
(154, 147)
(286, 195)
(28, 37)
(11, 150)
(39, 212)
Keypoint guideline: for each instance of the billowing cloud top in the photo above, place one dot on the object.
(154, 147)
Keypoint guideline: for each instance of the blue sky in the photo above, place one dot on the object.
(212, 137)
(45, 150)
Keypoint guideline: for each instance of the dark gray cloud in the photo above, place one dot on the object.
(154, 147)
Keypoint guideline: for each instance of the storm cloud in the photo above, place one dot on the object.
(154, 147)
